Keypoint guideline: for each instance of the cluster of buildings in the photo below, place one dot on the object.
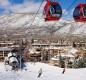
(52, 51)
(6, 47)
(45, 51)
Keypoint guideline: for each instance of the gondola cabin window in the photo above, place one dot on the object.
(52, 11)
(76, 13)
(79, 13)
(55, 11)
(84, 12)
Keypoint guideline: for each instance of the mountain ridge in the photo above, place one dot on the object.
(39, 26)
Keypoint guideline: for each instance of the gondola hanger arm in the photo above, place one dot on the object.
(48, 0)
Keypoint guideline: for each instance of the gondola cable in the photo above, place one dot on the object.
(64, 13)
(66, 10)
(37, 12)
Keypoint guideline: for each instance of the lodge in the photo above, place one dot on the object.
(5, 48)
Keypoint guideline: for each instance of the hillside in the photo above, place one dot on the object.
(22, 24)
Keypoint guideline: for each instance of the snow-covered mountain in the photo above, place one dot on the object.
(39, 26)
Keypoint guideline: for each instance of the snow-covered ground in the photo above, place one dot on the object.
(49, 73)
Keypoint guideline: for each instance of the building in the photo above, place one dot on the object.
(4, 52)
(34, 55)
(5, 48)
(53, 48)
(6, 43)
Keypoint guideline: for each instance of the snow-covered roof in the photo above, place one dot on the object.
(69, 55)
(6, 43)
(54, 58)
(32, 51)
(51, 47)
(65, 55)
(15, 46)
(36, 52)
(62, 54)
(73, 51)
(41, 44)
(5, 49)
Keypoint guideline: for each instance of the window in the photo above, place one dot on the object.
(84, 12)
(76, 13)
(55, 11)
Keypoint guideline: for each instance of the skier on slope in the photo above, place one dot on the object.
(40, 72)
(63, 71)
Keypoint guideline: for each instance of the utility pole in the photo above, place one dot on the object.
(20, 58)
(20, 54)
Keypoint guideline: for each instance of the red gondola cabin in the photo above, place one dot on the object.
(52, 11)
(79, 13)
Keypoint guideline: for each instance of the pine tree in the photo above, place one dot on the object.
(75, 63)
(61, 61)
(84, 59)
